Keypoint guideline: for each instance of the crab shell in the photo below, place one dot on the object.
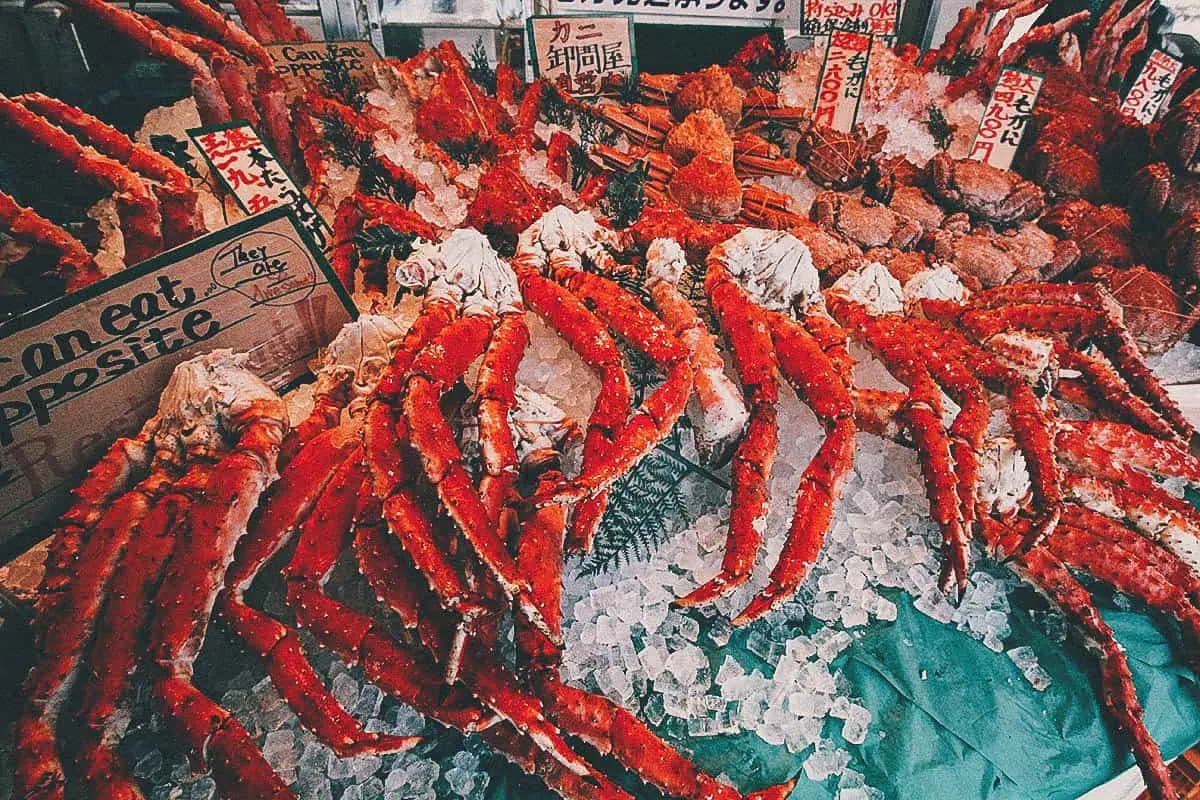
(865, 222)
(983, 191)
(464, 269)
(1003, 476)
(665, 261)
(563, 232)
(362, 350)
(775, 268)
(1178, 138)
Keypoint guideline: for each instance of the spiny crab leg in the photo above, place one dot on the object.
(1102, 383)
(141, 220)
(221, 28)
(495, 397)
(176, 196)
(194, 574)
(75, 263)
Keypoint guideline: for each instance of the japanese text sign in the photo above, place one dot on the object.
(874, 17)
(689, 12)
(248, 169)
(843, 74)
(299, 64)
(1150, 89)
(89, 367)
(1008, 112)
(578, 53)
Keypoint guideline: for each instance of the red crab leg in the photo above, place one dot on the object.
(1125, 571)
(189, 591)
(432, 373)
(745, 327)
(141, 221)
(75, 263)
(173, 188)
(659, 411)
(723, 414)
(922, 415)
(1114, 393)
(876, 410)
(285, 30)
(495, 396)
(116, 651)
(66, 634)
(330, 396)
(254, 20)
(210, 100)
(224, 67)
(391, 573)
(815, 379)
(1044, 571)
(1099, 441)
(591, 341)
(220, 27)
(352, 215)
(540, 541)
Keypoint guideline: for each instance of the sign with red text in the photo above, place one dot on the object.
(874, 17)
(784, 13)
(254, 176)
(843, 75)
(88, 368)
(1007, 114)
(1151, 88)
(300, 64)
(578, 53)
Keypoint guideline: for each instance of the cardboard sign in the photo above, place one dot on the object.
(1151, 88)
(751, 13)
(843, 74)
(578, 53)
(299, 63)
(81, 371)
(1005, 117)
(252, 173)
(874, 17)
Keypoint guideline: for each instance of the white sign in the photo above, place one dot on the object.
(843, 74)
(578, 53)
(1151, 88)
(257, 180)
(876, 17)
(1008, 112)
(690, 12)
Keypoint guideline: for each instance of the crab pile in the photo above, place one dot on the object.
(714, 233)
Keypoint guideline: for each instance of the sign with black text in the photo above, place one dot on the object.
(83, 370)
(873, 17)
(1007, 114)
(299, 64)
(843, 77)
(1151, 88)
(690, 12)
(578, 53)
(253, 175)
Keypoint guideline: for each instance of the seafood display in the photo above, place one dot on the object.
(715, 264)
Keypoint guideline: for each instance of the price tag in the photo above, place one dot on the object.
(87, 368)
(843, 74)
(299, 63)
(578, 53)
(874, 17)
(252, 173)
(690, 12)
(1150, 89)
(1008, 112)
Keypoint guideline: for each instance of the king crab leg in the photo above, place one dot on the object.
(176, 197)
(75, 263)
(141, 220)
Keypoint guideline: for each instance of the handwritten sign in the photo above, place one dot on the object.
(875, 17)
(1150, 89)
(298, 64)
(252, 173)
(578, 53)
(689, 12)
(1008, 112)
(80, 372)
(843, 74)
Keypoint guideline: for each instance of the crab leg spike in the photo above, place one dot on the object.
(210, 100)
(173, 188)
(141, 220)
(38, 773)
(749, 336)
(1046, 572)
(591, 341)
(495, 392)
(807, 368)
(570, 785)
(658, 413)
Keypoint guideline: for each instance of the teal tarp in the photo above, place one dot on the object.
(954, 720)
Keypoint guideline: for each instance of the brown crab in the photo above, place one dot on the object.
(1065, 170)
(1178, 137)
(1154, 312)
(865, 222)
(988, 194)
(1183, 250)
(990, 258)
(1159, 194)
(1103, 233)
(710, 88)
(832, 254)
(837, 159)
(707, 188)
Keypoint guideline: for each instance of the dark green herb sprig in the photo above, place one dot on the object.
(555, 110)
(345, 143)
(177, 151)
(481, 68)
(383, 243)
(626, 195)
(939, 127)
(466, 153)
(959, 64)
(628, 89)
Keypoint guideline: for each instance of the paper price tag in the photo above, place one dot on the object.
(578, 52)
(877, 17)
(843, 75)
(83, 370)
(1007, 114)
(1150, 90)
(252, 173)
